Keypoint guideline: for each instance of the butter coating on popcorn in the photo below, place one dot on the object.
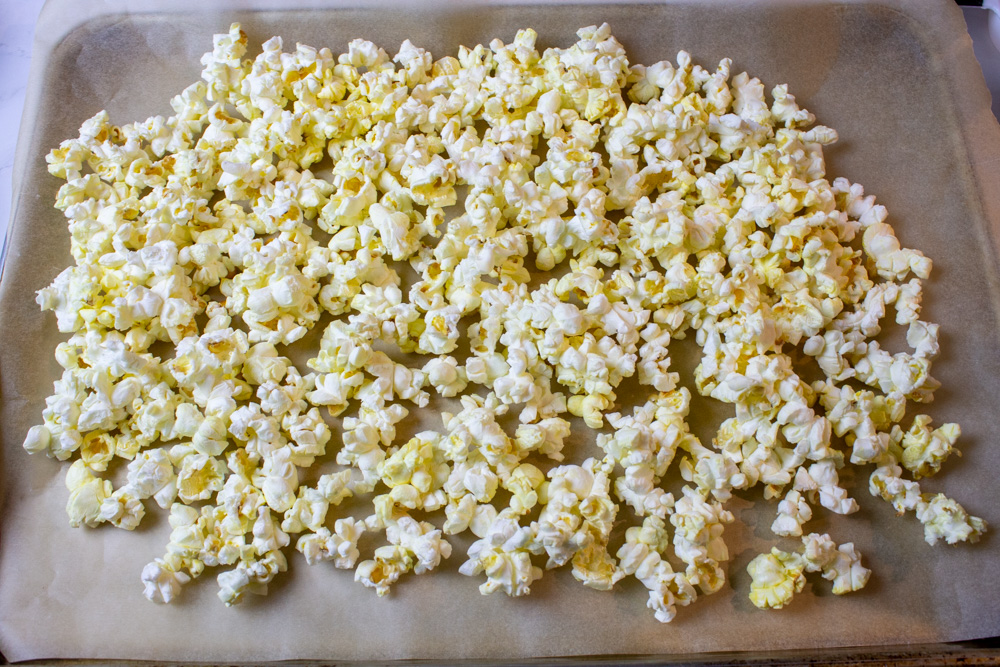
(610, 208)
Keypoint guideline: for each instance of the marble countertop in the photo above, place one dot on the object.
(17, 27)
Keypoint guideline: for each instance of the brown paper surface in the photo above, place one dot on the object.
(899, 83)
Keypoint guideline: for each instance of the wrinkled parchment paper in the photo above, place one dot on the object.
(897, 80)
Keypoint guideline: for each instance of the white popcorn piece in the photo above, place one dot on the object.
(642, 556)
(577, 514)
(446, 376)
(122, 509)
(198, 475)
(777, 576)
(87, 495)
(280, 479)
(944, 519)
(162, 584)
(503, 554)
(821, 481)
(793, 511)
(37, 440)
(414, 545)
(892, 261)
(925, 450)
(340, 546)
(394, 231)
(250, 577)
(845, 570)
(698, 527)
(546, 437)
(151, 474)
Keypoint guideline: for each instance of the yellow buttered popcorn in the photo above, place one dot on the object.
(510, 241)
(778, 575)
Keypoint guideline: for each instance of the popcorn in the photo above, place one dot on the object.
(308, 436)
(96, 451)
(546, 437)
(363, 439)
(446, 376)
(793, 511)
(394, 231)
(279, 480)
(198, 475)
(474, 432)
(644, 444)
(122, 509)
(821, 480)
(886, 482)
(777, 576)
(524, 484)
(341, 546)
(577, 514)
(250, 577)
(943, 518)
(641, 555)
(503, 553)
(891, 261)
(924, 450)
(698, 539)
(38, 439)
(440, 329)
(668, 201)
(392, 380)
(162, 584)
(844, 569)
(87, 495)
(416, 471)
(414, 545)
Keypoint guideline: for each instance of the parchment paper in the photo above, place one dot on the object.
(897, 80)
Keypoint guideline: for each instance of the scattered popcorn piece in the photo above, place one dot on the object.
(122, 509)
(577, 514)
(341, 545)
(943, 518)
(446, 376)
(698, 527)
(778, 575)
(925, 450)
(641, 555)
(503, 553)
(414, 545)
(87, 495)
(793, 511)
(162, 584)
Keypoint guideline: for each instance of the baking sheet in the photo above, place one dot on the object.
(897, 80)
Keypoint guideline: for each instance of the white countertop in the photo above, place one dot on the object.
(17, 29)
(17, 26)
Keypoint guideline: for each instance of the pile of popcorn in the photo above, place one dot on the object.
(608, 209)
